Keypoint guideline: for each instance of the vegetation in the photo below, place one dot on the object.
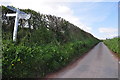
(50, 45)
(113, 44)
(0, 42)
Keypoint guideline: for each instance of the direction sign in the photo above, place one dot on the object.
(15, 10)
(18, 15)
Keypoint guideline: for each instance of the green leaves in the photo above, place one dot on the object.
(24, 61)
(51, 44)
(113, 44)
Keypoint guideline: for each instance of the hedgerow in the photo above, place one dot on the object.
(113, 44)
(50, 45)
(23, 61)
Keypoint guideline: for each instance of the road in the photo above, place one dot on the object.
(98, 63)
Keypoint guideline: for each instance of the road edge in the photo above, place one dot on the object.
(71, 64)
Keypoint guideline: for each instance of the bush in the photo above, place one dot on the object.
(113, 44)
(50, 45)
(24, 61)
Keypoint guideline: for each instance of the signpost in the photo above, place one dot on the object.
(18, 15)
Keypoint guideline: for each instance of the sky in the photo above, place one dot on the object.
(98, 17)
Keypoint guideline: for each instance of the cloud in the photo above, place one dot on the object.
(76, 0)
(108, 35)
(53, 7)
(60, 9)
(108, 30)
(5, 2)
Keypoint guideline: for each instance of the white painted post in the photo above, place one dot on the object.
(18, 15)
(16, 25)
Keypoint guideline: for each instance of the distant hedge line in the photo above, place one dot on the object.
(23, 61)
(113, 44)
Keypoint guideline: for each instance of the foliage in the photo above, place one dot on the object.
(113, 44)
(24, 61)
(43, 49)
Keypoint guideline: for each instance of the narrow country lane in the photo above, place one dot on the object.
(98, 63)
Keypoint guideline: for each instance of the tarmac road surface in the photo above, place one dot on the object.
(98, 63)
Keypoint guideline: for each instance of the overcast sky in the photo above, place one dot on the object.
(98, 17)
